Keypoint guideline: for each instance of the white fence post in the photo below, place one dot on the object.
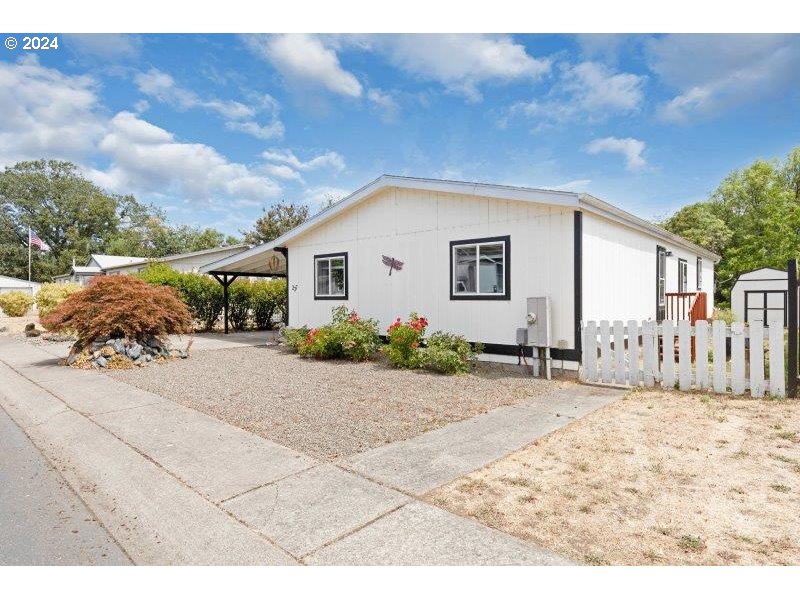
(737, 358)
(701, 354)
(633, 353)
(649, 350)
(777, 381)
(720, 356)
(684, 355)
(590, 342)
(619, 352)
(756, 359)
(605, 351)
(667, 355)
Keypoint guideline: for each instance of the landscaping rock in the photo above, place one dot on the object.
(122, 353)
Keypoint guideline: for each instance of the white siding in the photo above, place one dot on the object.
(416, 227)
(619, 271)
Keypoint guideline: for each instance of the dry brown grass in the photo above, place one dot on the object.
(656, 478)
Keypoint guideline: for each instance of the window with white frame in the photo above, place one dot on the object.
(683, 275)
(699, 273)
(330, 276)
(480, 269)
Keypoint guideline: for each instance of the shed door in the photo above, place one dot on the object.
(765, 306)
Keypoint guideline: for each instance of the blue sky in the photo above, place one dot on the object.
(215, 127)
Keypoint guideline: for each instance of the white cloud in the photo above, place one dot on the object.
(384, 103)
(320, 197)
(330, 160)
(576, 185)
(713, 73)
(106, 46)
(630, 148)
(586, 90)
(283, 172)
(46, 113)
(240, 117)
(460, 62)
(149, 159)
(273, 130)
(303, 60)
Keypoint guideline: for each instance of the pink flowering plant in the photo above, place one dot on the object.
(403, 349)
(348, 336)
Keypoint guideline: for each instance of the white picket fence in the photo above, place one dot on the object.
(627, 354)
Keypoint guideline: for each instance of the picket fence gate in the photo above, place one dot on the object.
(628, 354)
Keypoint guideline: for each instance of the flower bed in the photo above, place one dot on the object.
(348, 336)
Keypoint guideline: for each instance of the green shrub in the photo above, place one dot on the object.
(404, 341)
(16, 304)
(202, 294)
(724, 314)
(50, 295)
(240, 303)
(449, 353)
(347, 336)
(269, 298)
(294, 337)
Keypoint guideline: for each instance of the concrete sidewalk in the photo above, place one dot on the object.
(175, 486)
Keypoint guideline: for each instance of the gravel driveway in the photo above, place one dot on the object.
(328, 409)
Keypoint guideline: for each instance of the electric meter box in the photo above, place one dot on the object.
(539, 321)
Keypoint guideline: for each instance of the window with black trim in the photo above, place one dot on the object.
(699, 273)
(330, 276)
(480, 269)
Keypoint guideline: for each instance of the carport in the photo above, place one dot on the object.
(263, 260)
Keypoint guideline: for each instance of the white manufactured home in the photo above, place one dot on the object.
(468, 255)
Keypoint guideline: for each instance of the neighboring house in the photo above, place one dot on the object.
(106, 264)
(97, 265)
(472, 254)
(760, 295)
(188, 262)
(12, 284)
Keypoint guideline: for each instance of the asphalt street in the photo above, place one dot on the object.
(42, 521)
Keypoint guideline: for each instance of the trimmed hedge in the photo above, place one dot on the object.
(50, 295)
(16, 304)
(251, 303)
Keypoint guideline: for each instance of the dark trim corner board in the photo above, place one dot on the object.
(346, 276)
(577, 259)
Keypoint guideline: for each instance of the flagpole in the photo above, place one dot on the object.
(29, 254)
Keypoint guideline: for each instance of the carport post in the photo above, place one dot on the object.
(225, 281)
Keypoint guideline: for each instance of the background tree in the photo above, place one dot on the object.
(77, 218)
(276, 221)
(752, 220)
(70, 213)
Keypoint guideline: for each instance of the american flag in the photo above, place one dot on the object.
(34, 240)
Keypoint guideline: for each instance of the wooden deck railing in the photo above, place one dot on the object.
(687, 306)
